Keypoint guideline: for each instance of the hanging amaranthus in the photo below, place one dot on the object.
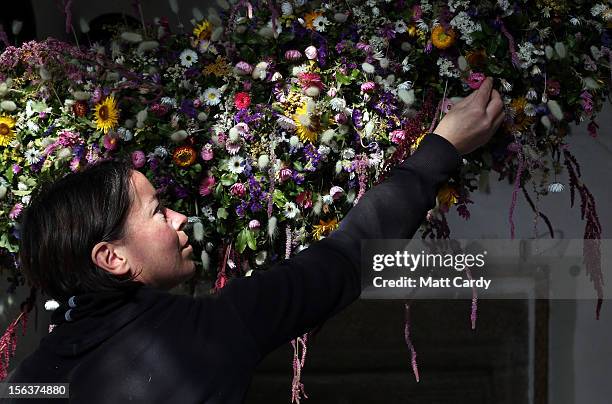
(592, 228)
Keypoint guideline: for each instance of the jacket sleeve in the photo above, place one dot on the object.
(297, 294)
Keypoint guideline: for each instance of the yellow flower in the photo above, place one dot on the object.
(521, 121)
(219, 68)
(418, 140)
(107, 114)
(447, 196)
(309, 19)
(203, 30)
(442, 38)
(184, 156)
(307, 124)
(7, 124)
(324, 228)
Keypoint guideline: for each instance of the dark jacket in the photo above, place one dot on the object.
(150, 346)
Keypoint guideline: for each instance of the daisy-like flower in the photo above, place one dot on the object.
(188, 58)
(107, 114)
(307, 125)
(320, 23)
(310, 17)
(32, 156)
(212, 96)
(291, 210)
(6, 130)
(203, 30)
(234, 164)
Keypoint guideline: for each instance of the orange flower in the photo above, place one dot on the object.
(310, 17)
(184, 156)
(443, 38)
(324, 228)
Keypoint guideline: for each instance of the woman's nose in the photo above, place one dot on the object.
(178, 220)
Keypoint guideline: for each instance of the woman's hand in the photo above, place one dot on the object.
(473, 120)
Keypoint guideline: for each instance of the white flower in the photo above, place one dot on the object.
(454, 5)
(32, 156)
(234, 164)
(188, 58)
(466, 26)
(348, 153)
(400, 26)
(528, 54)
(338, 104)
(171, 102)
(212, 96)
(319, 23)
(367, 67)
(327, 199)
(291, 210)
(51, 305)
(447, 68)
(287, 8)
(598, 9)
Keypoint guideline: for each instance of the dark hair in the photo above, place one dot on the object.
(65, 220)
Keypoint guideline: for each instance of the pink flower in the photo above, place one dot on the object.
(207, 152)
(336, 192)
(238, 189)
(254, 224)
(16, 211)
(160, 109)
(397, 136)
(285, 174)
(110, 142)
(247, 85)
(368, 86)
(293, 55)
(310, 80)
(68, 138)
(304, 199)
(206, 186)
(75, 164)
(311, 52)
(244, 68)
(197, 103)
(475, 80)
(138, 159)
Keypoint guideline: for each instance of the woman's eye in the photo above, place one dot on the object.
(161, 209)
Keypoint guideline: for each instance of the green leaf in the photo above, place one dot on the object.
(252, 243)
(279, 198)
(228, 179)
(222, 213)
(242, 240)
(342, 79)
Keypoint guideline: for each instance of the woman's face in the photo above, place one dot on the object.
(155, 242)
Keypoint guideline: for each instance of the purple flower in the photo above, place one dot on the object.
(188, 109)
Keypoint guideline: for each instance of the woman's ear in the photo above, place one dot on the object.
(111, 257)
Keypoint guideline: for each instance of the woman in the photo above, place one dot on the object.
(122, 337)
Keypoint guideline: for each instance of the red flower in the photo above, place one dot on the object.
(242, 100)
